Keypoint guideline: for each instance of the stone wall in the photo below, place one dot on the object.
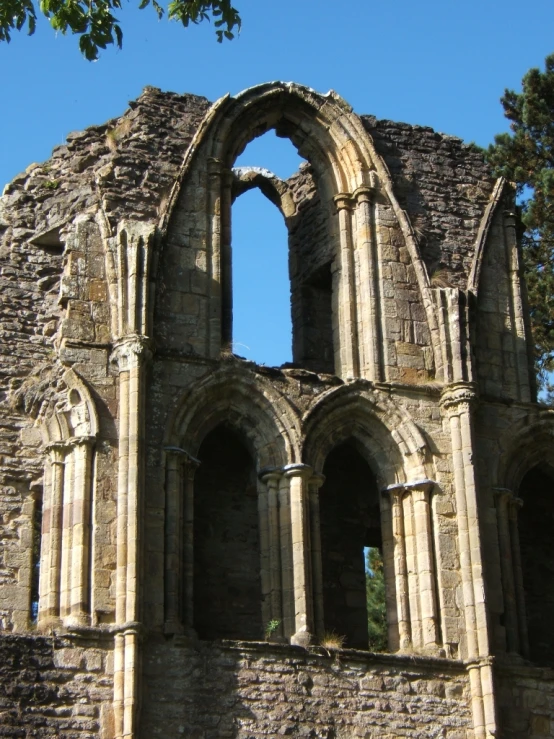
(55, 687)
(246, 690)
(525, 702)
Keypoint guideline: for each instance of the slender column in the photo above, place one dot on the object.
(314, 484)
(396, 493)
(298, 475)
(52, 522)
(416, 631)
(173, 528)
(265, 574)
(349, 364)
(285, 537)
(187, 543)
(129, 354)
(81, 526)
(502, 498)
(456, 402)
(67, 535)
(271, 480)
(368, 317)
(216, 293)
(226, 261)
(514, 505)
(421, 492)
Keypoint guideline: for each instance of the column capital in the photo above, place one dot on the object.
(457, 397)
(88, 441)
(57, 450)
(344, 201)
(215, 167)
(363, 194)
(298, 470)
(183, 456)
(315, 482)
(401, 488)
(270, 474)
(130, 352)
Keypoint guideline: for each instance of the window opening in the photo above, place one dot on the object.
(262, 327)
(227, 588)
(36, 524)
(536, 522)
(353, 582)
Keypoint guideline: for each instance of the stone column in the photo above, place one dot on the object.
(402, 619)
(130, 354)
(274, 612)
(456, 403)
(174, 540)
(52, 521)
(187, 544)
(370, 348)
(513, 508)
(314, 484)
(67, 534)
(79, 598)
(348, 361)
(421, 493)
(503, 503)
(298, 476)
(226, 260)
(285, 538)
(214, 260)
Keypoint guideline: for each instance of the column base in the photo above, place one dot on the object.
(302, 639)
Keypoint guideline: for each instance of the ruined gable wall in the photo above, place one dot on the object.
(444, 184)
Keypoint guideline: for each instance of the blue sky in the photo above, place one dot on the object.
(433, 62)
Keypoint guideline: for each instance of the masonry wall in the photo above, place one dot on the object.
(246, 690)
(56, 687)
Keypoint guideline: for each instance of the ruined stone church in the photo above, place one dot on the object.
(179, 527)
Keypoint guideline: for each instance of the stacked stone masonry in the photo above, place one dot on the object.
(180, 527)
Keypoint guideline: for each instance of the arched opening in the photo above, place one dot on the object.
(262, 328)
(536, 524)
(261, 300)
(227, 589)
(36, 542)
(350, 531)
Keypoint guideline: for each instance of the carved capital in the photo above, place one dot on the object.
(215, 167)
(298, 470)
(363, 194)
(131, 352)
(398, 490)
(183, 457)
(269, 475)
(344, 201)
(458, 398)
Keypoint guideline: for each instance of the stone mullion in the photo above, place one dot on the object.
(285, 537)
(298, 475)
(349, 361)
(368, 317)
(314, 484)
(507, 570)
(402, 604)
(81, 531)
(514, 505)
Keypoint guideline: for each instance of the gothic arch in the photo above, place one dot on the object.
(529, 444)
(247, 402)
(352, 178)
(394, 446)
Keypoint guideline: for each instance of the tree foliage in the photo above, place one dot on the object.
(526, 156)
(375, 598)
(96, 25)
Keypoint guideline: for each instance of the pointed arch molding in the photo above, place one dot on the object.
(396, 447)
(525, 445)
(250, 404)
(350, 172)
(73, 417)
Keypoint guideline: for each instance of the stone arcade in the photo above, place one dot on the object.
(163, 500)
